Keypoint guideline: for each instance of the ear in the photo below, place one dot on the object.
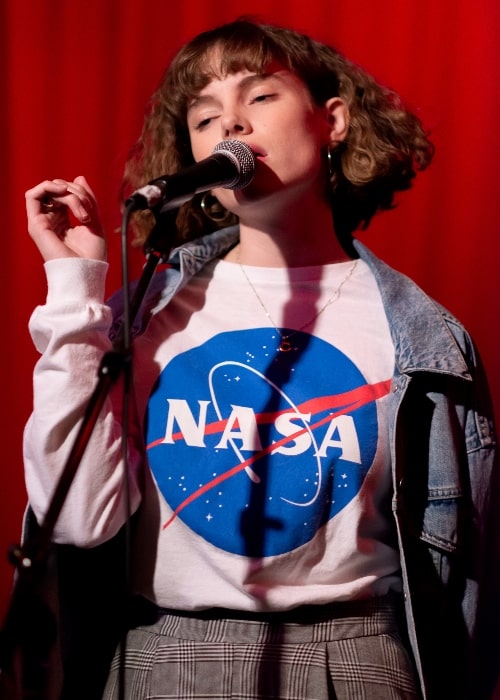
(338, 119)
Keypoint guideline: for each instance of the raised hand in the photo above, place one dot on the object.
(64, 221)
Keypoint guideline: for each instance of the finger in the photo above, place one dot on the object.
(78, 199)
(51, 196)
(82, 182)
(43, 196)
(91, 199)
(81, 188)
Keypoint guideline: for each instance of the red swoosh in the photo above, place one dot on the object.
(349, 401)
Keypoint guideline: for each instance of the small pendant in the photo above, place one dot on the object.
(285, 345)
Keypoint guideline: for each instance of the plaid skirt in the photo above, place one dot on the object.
(346, 651)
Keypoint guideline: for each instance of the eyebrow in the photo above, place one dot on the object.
(244, 84)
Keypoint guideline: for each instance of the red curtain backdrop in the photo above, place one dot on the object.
(74, 79)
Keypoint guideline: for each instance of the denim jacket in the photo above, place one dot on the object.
(443, 449)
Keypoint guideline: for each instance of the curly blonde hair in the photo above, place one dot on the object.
(386, 143)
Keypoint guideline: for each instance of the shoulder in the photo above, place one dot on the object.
(426, 335)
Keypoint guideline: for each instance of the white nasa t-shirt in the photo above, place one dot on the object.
(270, 470)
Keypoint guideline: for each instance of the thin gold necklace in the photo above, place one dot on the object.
(285, 344)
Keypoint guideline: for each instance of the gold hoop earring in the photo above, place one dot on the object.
(213, 209)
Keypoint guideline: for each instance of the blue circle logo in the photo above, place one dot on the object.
(256, 449)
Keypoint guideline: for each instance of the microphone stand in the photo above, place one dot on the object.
(23, 659)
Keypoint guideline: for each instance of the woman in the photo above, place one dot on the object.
(316, 429)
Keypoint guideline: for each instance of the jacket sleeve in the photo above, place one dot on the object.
(71, 333)
(482, 531)
(484, 470)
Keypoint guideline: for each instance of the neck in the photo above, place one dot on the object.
(289, 236)
(295, 241)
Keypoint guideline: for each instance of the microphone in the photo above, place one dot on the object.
(231, 165)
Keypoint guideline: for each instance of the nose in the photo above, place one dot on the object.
(233, 124)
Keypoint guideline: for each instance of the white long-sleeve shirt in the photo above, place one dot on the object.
(267, 478)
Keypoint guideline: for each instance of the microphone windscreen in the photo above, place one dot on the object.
(243, 157)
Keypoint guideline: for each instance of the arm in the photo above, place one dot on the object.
(71, 333)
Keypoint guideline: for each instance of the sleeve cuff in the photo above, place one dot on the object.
(75, 278)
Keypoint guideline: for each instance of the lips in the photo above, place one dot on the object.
(257, 150)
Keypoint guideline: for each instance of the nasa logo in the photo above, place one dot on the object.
(255, 450)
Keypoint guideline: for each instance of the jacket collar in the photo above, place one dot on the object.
(420, 327)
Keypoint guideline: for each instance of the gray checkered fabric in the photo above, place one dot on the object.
(356, 653)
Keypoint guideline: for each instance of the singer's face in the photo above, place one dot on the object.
(275, 115)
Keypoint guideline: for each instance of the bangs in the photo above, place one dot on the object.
(229, 49)
(221, 52)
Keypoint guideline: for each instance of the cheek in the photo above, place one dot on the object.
(201, 145)
(302, 152)
(304, 138)
(197, 151)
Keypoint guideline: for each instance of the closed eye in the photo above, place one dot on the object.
(262, 98)
(203, 123)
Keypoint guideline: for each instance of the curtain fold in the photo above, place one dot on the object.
(75, 77)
